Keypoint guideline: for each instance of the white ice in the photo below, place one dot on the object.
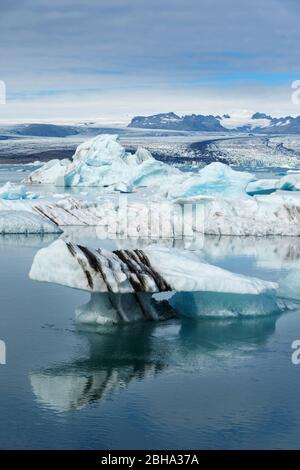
(25, 222)
(103, 161)
(289, 182)
(216, 304)
(11, 191)
(121, 286)
(180, 269)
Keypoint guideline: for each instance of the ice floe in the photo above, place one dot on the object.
(51, 172)
(289, 182)
(154, 269)
(216, 304)
(25, 222)
(216, 178)
(274, 214)
(122, 282)
(11, 191)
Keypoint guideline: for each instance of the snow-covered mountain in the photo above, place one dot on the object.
(256, 123)
(171, 121)
(262, 123)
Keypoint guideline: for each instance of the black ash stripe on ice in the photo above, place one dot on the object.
(135, 264)
(138, 264)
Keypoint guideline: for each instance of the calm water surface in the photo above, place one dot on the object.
(222, 383)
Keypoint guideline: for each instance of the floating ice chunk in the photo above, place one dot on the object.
(289, 182)
(263, 186)
(25, 222)
(215, 304)
(101, 149)
(142, 155)
(154, 269)
(12, 191)
(275, 214)
(122, 308)
(104, 162)
(289, 286)
(122, 282)
(51, 172)
(213, 179)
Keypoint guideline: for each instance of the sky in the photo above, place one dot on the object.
(73, 60)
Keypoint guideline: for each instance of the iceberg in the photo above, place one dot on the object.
(51, 172)
(12, 191)
(274, 214)
(121, 283)
(154, 269)
(101, 162)
(107, 308)
(289, 286)
(216, 178)
(25, 222)
(218, 304)
(289, 182)
(104, 162)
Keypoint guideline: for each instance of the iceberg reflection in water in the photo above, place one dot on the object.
(181, 383)
(119, 355)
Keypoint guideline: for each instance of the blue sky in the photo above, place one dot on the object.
(118, 58)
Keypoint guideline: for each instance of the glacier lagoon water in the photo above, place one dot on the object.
(211, 383)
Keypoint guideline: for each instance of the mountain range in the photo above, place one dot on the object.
(260, 123)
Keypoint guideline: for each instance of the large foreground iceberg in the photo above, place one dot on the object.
(154, 269)
(122, 282)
